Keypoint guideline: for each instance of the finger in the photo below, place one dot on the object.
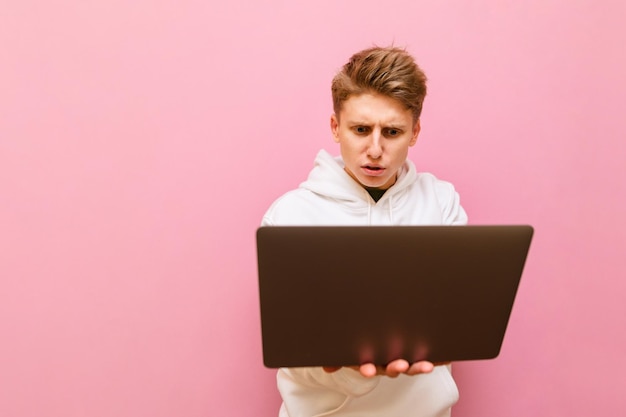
(422, 367)
(368, 370)
(397, 367)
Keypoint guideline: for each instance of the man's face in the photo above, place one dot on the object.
(374, 133)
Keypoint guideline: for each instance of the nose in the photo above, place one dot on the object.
(374, 148)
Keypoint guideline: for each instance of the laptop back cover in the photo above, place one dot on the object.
(346, 295)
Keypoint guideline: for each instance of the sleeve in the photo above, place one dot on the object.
(452, 211)
(269, 215)
(310, 391)
(280, 211)
(314, 392)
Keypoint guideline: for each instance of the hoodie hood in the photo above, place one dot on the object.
(332, 197)
(329, 179)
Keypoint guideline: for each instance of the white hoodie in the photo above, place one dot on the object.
(331, 197)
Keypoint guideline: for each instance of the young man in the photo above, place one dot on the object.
(377, 100)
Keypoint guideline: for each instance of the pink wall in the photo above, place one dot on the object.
(140, 143)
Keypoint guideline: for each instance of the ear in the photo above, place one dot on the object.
(334, 127)
(416, 132)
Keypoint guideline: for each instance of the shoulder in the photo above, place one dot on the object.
(442, 187)
(288, 208)
(410, 177)
(429, 190)
(428, 182)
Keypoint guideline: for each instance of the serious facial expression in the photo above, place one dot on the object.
(374, 133)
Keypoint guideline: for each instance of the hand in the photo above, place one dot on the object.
(393, 368)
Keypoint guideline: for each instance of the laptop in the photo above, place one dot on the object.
(348, 295)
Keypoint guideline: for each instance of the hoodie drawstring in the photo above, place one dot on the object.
(369, 209)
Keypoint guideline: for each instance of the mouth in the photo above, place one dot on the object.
(373, 169)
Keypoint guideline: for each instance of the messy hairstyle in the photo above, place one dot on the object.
(391, 72)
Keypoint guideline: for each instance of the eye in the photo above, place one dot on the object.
(392, 132)
(361, 130)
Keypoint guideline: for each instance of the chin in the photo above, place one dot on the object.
(371, 184)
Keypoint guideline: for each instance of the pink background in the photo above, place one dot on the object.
(141, 142)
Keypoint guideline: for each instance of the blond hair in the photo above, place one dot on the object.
(389, 71)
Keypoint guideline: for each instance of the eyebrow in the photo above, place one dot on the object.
(391, 125)
(395, 126)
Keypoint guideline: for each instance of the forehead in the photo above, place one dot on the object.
(375, 108)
